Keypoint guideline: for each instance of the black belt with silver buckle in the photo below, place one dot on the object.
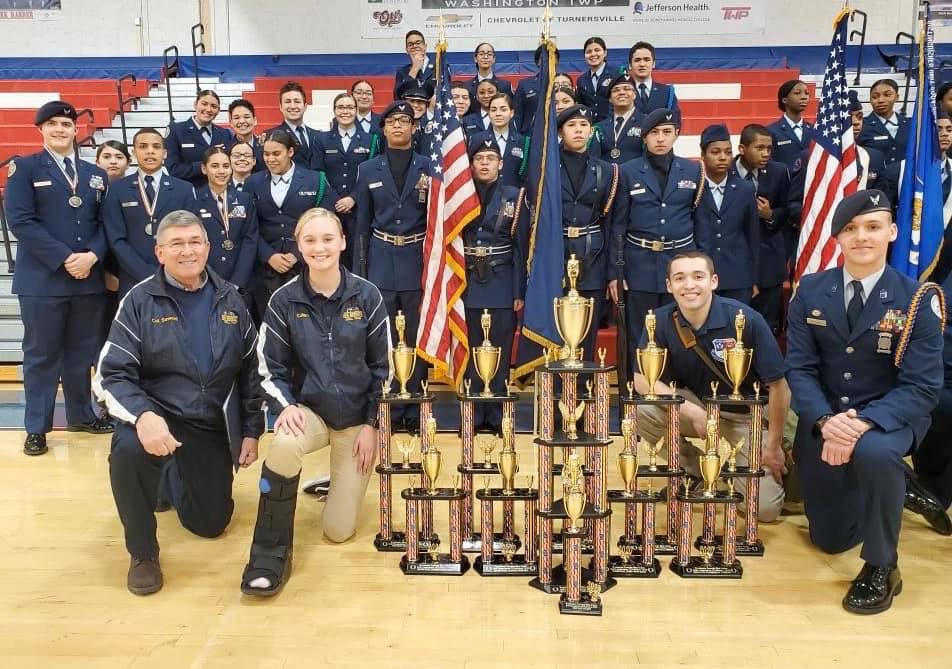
(486, 251)
(573, 232)
(399, 240)
(658, 245)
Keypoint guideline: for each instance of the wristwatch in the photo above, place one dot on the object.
(821, 421)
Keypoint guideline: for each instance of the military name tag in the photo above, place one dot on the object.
(330, 150)
(40, 184)
(130, 204)
(361, 149)
(881, 138)
(816, 321)
(375, 184)
(636, 191)
(204, 214)
(188, 146)
(784, 141)
(307, 193)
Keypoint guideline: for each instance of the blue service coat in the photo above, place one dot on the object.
(874, 135)
(524, 103)
(236, 264)
(381, 207)
(502, 86)
(305, 155)
(402, 77)
(131, 231)
(596, 97)
(731, 234)
(591, 207)
(629, 139)
(661, 96)
(473, 124)
(786, 147)
(186, 147)
(642, 210)
(341, 166)
(517, 155)
(773, 184)
(48, 230)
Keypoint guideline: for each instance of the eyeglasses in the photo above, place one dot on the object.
(179, 245)
(416, 42)
(344, 107)
(398, 121)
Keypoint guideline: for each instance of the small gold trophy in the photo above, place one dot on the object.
(570, 418)
(508, 458)
(508, 548)
(385, 387)
(707, 553)
(433, 550)
(631, 389)
(710, 461)
(432, 458)
(653, 451)
(594, 592)
(403, 356)
(575, 504)
(625, 551)
(406, 447)
(628, 458)
(651, 358)
(737, 359)
(488, 444)
(573, 316)
(486, 355)
(732, 451)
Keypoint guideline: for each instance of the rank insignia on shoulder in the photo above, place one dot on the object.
(11, 168)
(509, 209)
(353, 314)
(229, 318)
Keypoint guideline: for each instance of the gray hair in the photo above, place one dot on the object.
(180, 218)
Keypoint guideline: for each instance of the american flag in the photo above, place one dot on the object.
(453, 203)
(831, 170)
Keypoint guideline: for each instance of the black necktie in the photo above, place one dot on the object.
(302, 135)
(149, 189)
(619, 122)
(855, 307)
(643, 89)
(68, 168)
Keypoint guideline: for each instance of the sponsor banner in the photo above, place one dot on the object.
(30, 10)
(571, 18)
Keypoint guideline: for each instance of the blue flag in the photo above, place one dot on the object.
(544, 196)
(919, 216)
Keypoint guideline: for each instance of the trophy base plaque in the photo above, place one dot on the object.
(397, 543)
(588, 547)
(584, 607)
(633, 567)
(744, 548)
(441, 565)
(500, 566)
(714, 568)
(474, 544)
(556, 586)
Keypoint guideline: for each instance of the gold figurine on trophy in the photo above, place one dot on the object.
(628, 458)
(710, 461)
(508, 458)
(573, 316)
(432, 458)
(570, 418)
(406, 447)
(402, 356)
(653, 451)
(487, 443)
(652, 358)
(486, 356)
(737, 359)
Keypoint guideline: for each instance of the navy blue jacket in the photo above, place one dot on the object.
(731, 235)
(517, 155)
(129, 229)
(502, 86)
(332, 366)
(308, 189)
(596, 98)
(341, 166)
(773, 184)
(381, 207)
(592, 206)
(402, 77)
(831, 369)
(661, 96)
(629, 140)
(874, 135)
(524, 103)
(186, 147)
(504, 221)
(48, 230)
(473, 123)
(305, 155)
(786, 147)
(642, 210)
(237, 264)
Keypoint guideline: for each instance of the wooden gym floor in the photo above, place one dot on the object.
(64, 601)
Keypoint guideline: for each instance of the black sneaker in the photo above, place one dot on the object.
(97, 426)
(319, 486)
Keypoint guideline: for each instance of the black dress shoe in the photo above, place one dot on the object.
(98, 426)
(162, 505)
(35, 444)
(921, 501)
(872, 591)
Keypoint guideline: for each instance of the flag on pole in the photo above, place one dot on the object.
(546, 255)
(453, 202)
(831, 167)
(919, 217)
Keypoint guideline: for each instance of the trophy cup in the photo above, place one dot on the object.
(573, 601)
(486, 355)
(406, 447)
(737, 359)
(710, 461)
(573, 316)
(651, 358)
(508, 467)
(432, 459)
(628, 458)
(403, 356)
(653, 451)
(487, 443)
(575, 505)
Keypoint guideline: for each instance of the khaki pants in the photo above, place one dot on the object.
(652, 425)
(349, 486)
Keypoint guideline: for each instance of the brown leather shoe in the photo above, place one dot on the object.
(145, 576)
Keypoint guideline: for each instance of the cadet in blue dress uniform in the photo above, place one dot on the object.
(592, 86)
(478, 119)
(619, 135)
(391, 194)
(588, 191)
(525, 99)
(188, 140)
(513, 145)
(136, 204)
(791, 134)
(696, 330)
(293, 103)
(419, 72)
(884, 129)
(943, 267)
(344, 148)
(54, 207)
(496, 244)
(772, 184)
(418, 98)
(653, 218)
(367, 119)
(650, 95)
(241, 116)
(229, 219)
(243, 163)
(281, 194)
(864, 363)
(728, 228)
(485, 58)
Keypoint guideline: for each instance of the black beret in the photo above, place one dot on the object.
(575, 111)
(396, 107)
(414, 92)
(855, 104)
(656, 118)
(487, 144)
(52, 109)
(860, 202)
(622, 78)
(715, 133)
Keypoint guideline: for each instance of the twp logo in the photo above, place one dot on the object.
(736, 13)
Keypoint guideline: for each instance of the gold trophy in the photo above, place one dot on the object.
(575, 504)
(406, 447)
(602, 353)
(651, 358)
(486, 355)
(573, 316)
(432, 458)
(508, 549)
(732, 451)
(653, 451)
(570, 418)
(710, 461)
(403, 356)
(594, 592)
(737, 359)
(434, 549)
(628, 458)
(625, 551)
(508, 467)
(707, 553)
(488, 444)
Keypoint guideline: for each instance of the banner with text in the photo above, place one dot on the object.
(570, 18)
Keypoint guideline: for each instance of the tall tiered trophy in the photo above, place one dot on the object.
(403, 359)
(573, 315)
(573, 601)
(487, 360)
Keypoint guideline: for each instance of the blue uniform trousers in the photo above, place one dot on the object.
(501, 332)
(769, 304)
(61, 338)
(196, 479)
